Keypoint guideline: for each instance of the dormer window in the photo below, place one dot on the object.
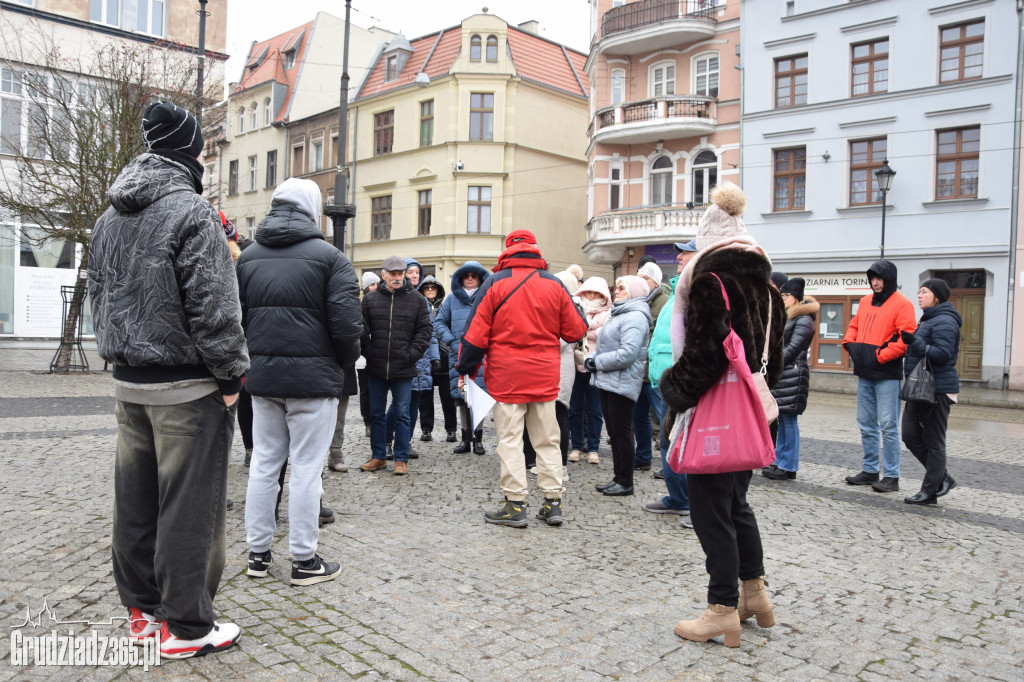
(289, 60)
(492, 48)
(391, 68)
(396, 54)
(291, 48)
(255, 62)
(474, 49)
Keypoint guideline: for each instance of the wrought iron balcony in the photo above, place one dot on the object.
(609, 233)
(650, 25)
(655, 119)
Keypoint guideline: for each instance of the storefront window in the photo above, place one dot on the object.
(37, 253)
(6, 279)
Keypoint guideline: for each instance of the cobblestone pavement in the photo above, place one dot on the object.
(865, 586)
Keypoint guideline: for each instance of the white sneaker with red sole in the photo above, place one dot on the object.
(222, 636)
(141, 626)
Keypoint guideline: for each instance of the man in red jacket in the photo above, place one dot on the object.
(873, 342)
(519, 316)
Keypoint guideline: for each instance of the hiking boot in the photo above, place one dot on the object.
(373, 464)
(776, 474)
(259, 563)
(452, 438)
(401, 468)
(886, 485)
(326, 516)
(660, 507)
(754, 602)
(551, 512)
(593, 458)
(716, 620)
(425, 436)
(248, 456)
(220, 637)
(141, 626)
(336, 461)
(313, 571)
(575, 455)
(509, 514)
(863, 478)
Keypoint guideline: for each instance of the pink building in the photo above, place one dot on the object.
(664, 123)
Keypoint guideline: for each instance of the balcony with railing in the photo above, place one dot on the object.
(609, 233)
(655, 119)
(650, 25)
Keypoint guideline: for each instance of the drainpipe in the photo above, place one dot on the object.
(1014, 196)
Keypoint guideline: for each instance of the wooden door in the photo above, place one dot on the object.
(971, 305)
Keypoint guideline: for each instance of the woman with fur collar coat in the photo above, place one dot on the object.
(722, 518)
(792, 390)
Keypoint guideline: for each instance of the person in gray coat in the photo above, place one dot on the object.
(618, 367)
(166, 314)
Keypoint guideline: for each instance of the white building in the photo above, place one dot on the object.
(831, 89)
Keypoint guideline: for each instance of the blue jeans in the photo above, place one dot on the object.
(401, 393)
(642, 429)
(878, 412)
(414, 410)
(585, 400)
(787, 449)
(677, 497)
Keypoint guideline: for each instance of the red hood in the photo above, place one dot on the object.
(521, 255)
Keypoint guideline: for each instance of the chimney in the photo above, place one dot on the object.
(531, 26)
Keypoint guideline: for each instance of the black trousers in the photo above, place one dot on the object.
(562, 415)
(364, 396)
(245, 417)
(618, 422)
(727, 530)
(924, 434)
(443, 386)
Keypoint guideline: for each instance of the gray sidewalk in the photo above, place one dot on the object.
(865, 587)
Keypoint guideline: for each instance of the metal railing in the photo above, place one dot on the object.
(647, 12)
(691, 106)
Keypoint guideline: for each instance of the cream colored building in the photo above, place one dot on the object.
(464, 135)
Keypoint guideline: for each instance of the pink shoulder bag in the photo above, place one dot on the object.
(728, 429)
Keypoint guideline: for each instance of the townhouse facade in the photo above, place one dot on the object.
(463, 135)
(664, 123)
(31, 275)
(834, 90)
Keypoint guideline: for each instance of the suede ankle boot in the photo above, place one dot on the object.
(754, 602)
(716, 620)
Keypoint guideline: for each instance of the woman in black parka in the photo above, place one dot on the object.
(924, 426)
(791, 391)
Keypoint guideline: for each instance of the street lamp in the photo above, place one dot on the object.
(339, 211)
(202, 60)
(884, 175)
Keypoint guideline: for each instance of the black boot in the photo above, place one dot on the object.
(478, 443)
(463, 447)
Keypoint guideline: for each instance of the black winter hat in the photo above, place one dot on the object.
(795, 287)
(779, 278)
(937, 287)
(166, 126)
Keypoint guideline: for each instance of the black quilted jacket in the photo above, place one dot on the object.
(791, 391)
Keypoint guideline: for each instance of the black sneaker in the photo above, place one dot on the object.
(259, 562)
(452, 438)
(863, 478)
(510, 514)
(551, 512)
(776, 474)
(886, 485)
(425, 436)
(326, 516)
(316, 570)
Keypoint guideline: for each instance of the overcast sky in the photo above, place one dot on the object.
(564, 21)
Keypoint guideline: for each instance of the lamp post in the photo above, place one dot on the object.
(339, 211)
(884, 175)
(202, 62)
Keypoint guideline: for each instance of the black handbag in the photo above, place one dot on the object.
(919, 386)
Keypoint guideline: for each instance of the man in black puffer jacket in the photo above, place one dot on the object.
(396, 333)
(300, 311)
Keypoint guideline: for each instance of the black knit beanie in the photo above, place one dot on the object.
(779, 278)
(168, 126)
(937, 287)
(795, 287)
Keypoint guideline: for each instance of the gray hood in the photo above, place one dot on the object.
(145, 179)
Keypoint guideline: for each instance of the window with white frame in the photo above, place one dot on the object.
(268, 114)
(478, 220)
(614, 186)
(252, 172)
(10, 111)
(250, 226)
(661, 181)
(289, 59)
(705, 177)
(241, 120)
(663, 79)
(316, 152)
(138, 16)
(618, 85)
(705, 79)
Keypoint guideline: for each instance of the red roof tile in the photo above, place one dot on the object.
(440, 62)
(271, 66)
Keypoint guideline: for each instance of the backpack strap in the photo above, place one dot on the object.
(521, 283)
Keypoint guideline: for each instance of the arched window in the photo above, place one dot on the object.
(241, 120)
(618, 85)
(661, 181)
(268, 114)
(474, 49)
(253, 117)
(705, 177)
(492, 48)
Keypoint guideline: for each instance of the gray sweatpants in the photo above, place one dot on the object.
(299, 430)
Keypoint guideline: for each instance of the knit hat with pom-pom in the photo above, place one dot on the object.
(722, 218)
(576, 272)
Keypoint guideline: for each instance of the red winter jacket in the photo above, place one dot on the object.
(873, 337)
(518, 329)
